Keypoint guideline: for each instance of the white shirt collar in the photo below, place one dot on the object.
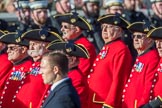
(58, 82)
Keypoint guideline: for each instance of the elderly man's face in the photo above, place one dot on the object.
(15, 52)
(159, 46)
(140, 41)
(68, 31)
(36, 48)
(110, 32)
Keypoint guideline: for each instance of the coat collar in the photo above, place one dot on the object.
(22, 60)
(57, 88)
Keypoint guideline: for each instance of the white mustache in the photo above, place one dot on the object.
(34, 53)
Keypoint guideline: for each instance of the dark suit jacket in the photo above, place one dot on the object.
(63, 96)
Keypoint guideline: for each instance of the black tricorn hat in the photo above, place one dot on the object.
(143, 27)
(10, 38)
(69, 48)
(155, 33)
(74, 19)
(4, 25)
(114, 19)
(41, 35)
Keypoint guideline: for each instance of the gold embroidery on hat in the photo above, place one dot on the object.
(68, 50)
(146, 29)
(115, 22)
(43, 37)
(73, 20)
(18, 40)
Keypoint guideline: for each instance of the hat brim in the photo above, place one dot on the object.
(74, 20)
(139, 27)
(155, 33)
(10, 38)
(2, 33)
(73, 49)
(114, 20)
(35, 34)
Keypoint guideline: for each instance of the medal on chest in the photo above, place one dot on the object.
(103, 52)
(139, 67)
(34, 70)
(17, 75)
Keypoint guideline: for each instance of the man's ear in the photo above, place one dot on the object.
(153, 6)
(24, 49)
(77, 29)
(107, 10)
(73, 59)
(55, 69)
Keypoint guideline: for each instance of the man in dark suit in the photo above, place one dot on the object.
(54, 68)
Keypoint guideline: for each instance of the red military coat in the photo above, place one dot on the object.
(109, 74)
(86, 63)
(137, 90)
(157, 90)
(80, 84)
(5, 67)
(14, 84)
(35, 86)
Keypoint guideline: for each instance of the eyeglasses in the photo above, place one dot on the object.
(103, 26)
(13, 47)
(138, 36)
(67, 26)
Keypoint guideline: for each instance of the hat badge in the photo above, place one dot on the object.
(68, 50)
(73, 20)
(69, 47)
(146, 29)
(115, 22)
(43, 36)
(18, 36)
(18, 40)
